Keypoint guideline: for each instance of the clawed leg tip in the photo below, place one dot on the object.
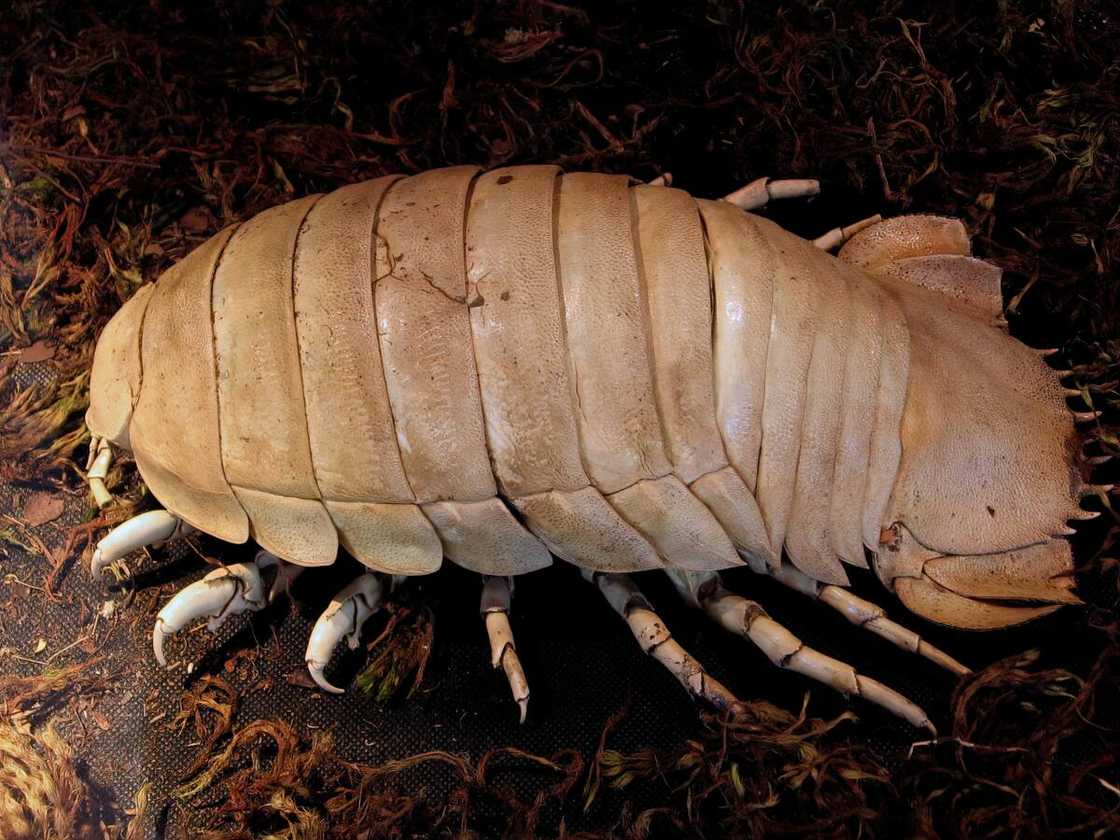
(748, 620)
(316, 672)
(157, 646)
(496, 595)
(97, 563)
(152, 528)
(217, 595)
(343, 618)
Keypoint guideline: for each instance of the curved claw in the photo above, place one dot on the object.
(496, 595)
(345, 615)
(504, 654)
(217, 596)
(154, 527)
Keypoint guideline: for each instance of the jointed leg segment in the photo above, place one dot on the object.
(155, 527)
(344, 617)
(872, 617)
(749, 620)
(496, 595)
(656, 640)
(864, 614)
(762, 191)
(839, 235)
(220, 594)
(97, 470)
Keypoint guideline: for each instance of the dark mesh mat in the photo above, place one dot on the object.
(582, 662)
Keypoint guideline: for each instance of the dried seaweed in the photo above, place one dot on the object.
(403, 649)
(297, 789)
(42, 796)
(765, 773)
(35, 698)
(210, 706)
(1007, 766)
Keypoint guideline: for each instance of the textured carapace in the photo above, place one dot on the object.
(501, 367)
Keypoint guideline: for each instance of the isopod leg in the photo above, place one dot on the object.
(286, 573)
(496, 595)
(654, 637)
(221, 593)
(762, 191)
(155, 527)
(865, 614)
(665, 179)
(343, 617)
(97, 470)
(749, 620)
(838, 236)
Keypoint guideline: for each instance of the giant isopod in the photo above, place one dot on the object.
(502, 368)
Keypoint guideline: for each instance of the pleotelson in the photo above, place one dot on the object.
(498, 367)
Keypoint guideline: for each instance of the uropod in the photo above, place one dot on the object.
(503, 368)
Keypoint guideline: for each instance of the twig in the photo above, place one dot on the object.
(82, 158)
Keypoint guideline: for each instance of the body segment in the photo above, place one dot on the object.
(175, 426)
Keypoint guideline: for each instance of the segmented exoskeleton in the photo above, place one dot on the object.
(503, 367)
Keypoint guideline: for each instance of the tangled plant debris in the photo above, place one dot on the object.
(768, 773)
(1007, 766)
(402, 652)
(129, 134)
(35, 698)
(41, 794)
(294, 789)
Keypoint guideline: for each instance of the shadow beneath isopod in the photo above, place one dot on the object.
(255, 631)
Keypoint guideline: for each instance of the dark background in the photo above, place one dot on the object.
(131, 132)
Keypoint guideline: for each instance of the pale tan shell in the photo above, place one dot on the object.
(498, 367)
